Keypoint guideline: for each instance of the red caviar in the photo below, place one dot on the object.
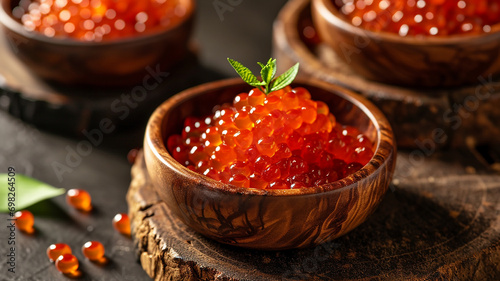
(67, 264)
(79, 199)
(93, 250)
(121, 223)
(98, 20)
(422, 17)
(280, 141)
(25, 221)
(56, 250)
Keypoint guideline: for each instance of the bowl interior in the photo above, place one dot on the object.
(348, 108)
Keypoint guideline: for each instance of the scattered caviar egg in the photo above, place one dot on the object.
(56, 250)
(121, 223)
(25, 221)
(79, 199)
(422, 17)
(132, 155)
(93, 250)
(308, 32)
(283, 140)
(98, 20)
(67, 264)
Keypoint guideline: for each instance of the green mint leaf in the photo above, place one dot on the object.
(285, 79)
(273, 63)
(26, 191)
(267, 74)
(245, 73)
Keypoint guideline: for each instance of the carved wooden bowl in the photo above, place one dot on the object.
(269, 219)
(119, 62)
(421, 62)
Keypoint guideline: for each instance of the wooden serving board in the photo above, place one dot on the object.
(457, 115)
(72, 109)
(439, 221)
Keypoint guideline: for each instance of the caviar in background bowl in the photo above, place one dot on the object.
(96, 42)
(414, 43)
(264, 211)
(422, 17)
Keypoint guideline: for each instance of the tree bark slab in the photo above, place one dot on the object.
(439, 221)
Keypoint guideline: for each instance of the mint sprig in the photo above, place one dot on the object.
(268, 72)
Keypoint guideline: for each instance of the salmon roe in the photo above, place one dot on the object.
(422, 17)
(98, 20)
(121, 223)
(284, 140)
(67, 264)
(79, 199)
(25, 221)
(93, 250)
(56, 250)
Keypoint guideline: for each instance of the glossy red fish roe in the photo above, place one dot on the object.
(121, 223)
(25, 221)
(93, 250)
(308, 32)
(279, 141)
(56, 250)
(79, 199)
(422, 17)
(98, 20)
(132, 155)
(67, 264)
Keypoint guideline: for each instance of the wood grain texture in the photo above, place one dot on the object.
(437, 223)
(431, 61)
(415, 114)
(269, 219)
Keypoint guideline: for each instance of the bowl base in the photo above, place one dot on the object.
(419, 230)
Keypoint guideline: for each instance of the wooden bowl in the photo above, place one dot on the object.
(118, 62)
(269, 219)
(413, 61)
(418, 115)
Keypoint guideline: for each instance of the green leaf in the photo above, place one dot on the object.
(273, 62)
(267, 73)
(28, 191)
(245, 73)
(285, 79)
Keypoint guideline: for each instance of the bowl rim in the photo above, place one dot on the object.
(330, 13)
(154, 139)
(15, 26)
